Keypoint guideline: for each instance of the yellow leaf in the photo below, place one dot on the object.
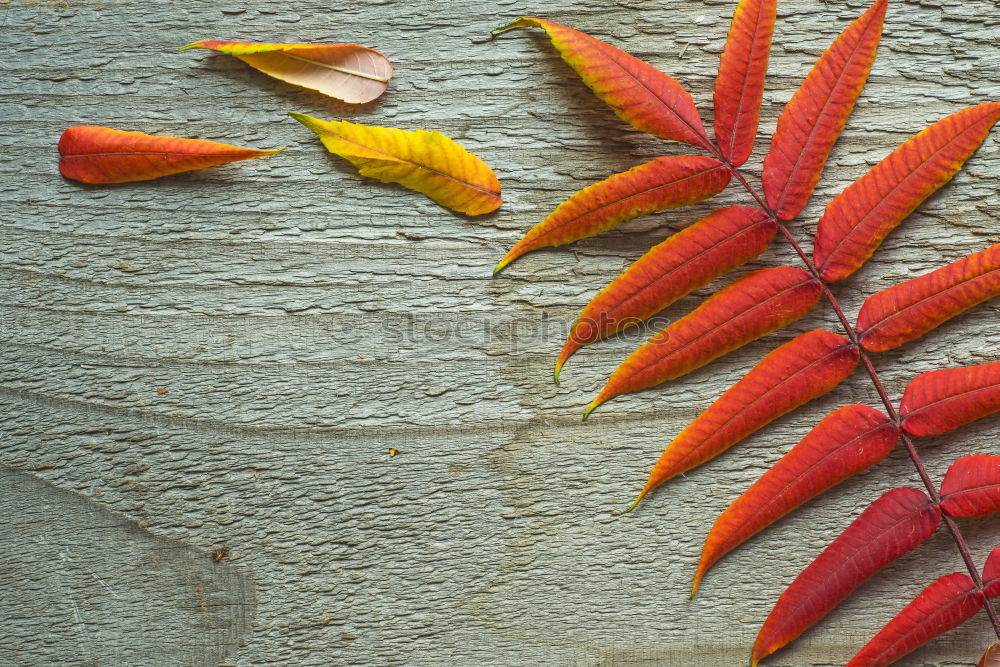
(427, 162)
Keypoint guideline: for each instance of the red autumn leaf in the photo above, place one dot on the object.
(687, 260)
(890, 527)
(666, 182)
(844, 443)
(795, 373)
(947, 603)
(936, 402)
(859, 218)
(739, 88)
(348, 72)
(991, 574)
(103, 155)
(639, 94)
(971, 487)
(814, 118)
(753, 306)
(907, 311)
(991, 658)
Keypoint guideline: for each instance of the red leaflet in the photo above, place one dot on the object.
(666, 182)
(936, 402)
(847, 441)
(971, 487)
(991, 658)
(909, 310)
(945, 604)
(639, 94)
(991, 574)
(102, 155)
(797, 372)
(739, 87)
(687, 260)
(814, 118)
(891, 526)
(859, 218)
(753, 306)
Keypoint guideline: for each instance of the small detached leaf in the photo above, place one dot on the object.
(937, 402)
(971, 487)
(946, 604)
(991, 658)
(102, 155)
(814, 118)
(639, 94)
(348, 72)
(844, 443)
(807, 366)
(427, 162)
(664, 183)
(891, 526)
(753, 306)
(689, 259)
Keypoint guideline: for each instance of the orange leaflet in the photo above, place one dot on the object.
(103, 155)
(891, 526)
(639, 94)
(971, 487)
(739, 88)
(753, 306)
(991, 658)
(687, 260)
(347, 72)
(428, 162)
(795, 373)
(947, 603)
(909, 310)
(847, 441)
(814, 118)
(666, 182)
(936, 402)
(859, 218)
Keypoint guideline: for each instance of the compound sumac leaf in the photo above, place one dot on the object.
(751, 307)
(714, 245)
(844, 443)
(807, 366)
(891, 526)
(639, 94)
(907, 311)
(102, 155)
(971, 487)
(858, 219)
(739, 88)
(428, 162)
(947, 603)
(991, 658)
(347, 72)
(664, 183)
(936, 402)
(814, 118)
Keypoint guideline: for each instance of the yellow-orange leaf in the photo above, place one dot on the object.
(427, 162)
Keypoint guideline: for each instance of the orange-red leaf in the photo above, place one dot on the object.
(103, 155)
(814, 118)
(971, 487)
(936, 402)
(844, 443)
(666, 182)
(795, 373)
(347, 72)
(890, 527)
(909, 310)
(859, 218)
(639, 94)
(947, 603)
(687, 260)
(753, 306)
(739, 88)
(991, 658)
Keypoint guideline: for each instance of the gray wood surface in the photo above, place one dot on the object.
(303, 321)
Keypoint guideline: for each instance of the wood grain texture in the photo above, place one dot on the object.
(304, 321)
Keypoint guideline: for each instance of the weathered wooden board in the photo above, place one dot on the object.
(304, 321)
